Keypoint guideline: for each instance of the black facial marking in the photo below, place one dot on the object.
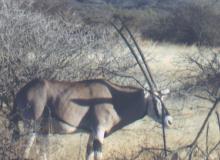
(155, 107)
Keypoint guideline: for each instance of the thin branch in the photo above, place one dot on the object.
(122, 75)
(205, 98)
(80, 148)
(152, 150)
(215, 146)
(205, 122)
(218, 119)
(164, 133)
(207, 140)
(193, 145)
(200, 66)
(200, 149)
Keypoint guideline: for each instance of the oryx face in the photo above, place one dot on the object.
(156, 107)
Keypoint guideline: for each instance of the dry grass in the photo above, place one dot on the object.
(78, 50)
(141, 139)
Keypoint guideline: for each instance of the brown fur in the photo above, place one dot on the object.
(83, 104)
(90, 104)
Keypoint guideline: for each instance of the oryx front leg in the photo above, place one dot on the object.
(97, 143)
(31, 140)
(30, 127)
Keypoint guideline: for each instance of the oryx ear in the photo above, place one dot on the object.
(146, 93)
(164, 93)
(146, 85)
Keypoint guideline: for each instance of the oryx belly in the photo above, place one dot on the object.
(73, 114)
(56, 126)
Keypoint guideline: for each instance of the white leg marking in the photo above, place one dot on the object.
(100, 135)
(45, 156)
(90, 156)
(29, 145)
(89, 147)
(43, 146)
(98, 155)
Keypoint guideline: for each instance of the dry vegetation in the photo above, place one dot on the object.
(38, 39)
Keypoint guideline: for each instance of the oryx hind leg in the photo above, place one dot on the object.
(94, 146)
(89, 148)
(97, 143)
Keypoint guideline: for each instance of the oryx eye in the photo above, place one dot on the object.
(165, 91)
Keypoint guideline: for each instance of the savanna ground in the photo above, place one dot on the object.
(182, 55)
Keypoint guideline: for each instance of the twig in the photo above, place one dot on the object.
(190, 153)
(200, 66)
(152, 150)
(207, 141)
(205, 98)
(218, 119)
(123, 75)
(215, 146)
(193, 145)
(80, 149)
(205, 122)
(200, 149)
(164, 134)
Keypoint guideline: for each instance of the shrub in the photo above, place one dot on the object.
(37, 45)
(200, 72)
(188, 24)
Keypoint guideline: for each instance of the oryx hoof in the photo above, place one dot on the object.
(98, 155)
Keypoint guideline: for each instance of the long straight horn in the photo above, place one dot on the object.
(141, 54)
(135, 56)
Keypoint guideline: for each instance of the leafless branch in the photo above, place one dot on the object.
(213, 149)
(151, 150)
(199, 65)
(164, 133)
(117, 73)
(207, 140)
(204, 98)
(218, 119)
(205, 122)
(193, 145)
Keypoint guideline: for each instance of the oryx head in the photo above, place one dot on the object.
(160, 113)
(156, 108)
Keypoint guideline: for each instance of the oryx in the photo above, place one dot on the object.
(97, 106)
